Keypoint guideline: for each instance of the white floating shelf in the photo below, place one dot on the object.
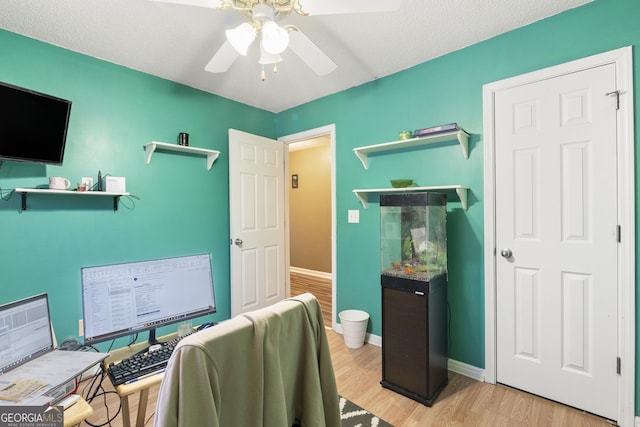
(151, 147)
(69, 192)
(25, 191)
(363, 152)
(460, 190)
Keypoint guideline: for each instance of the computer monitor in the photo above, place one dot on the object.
(125, 299)
(25, 331)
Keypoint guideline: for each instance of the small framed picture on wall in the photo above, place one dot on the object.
(294, 181)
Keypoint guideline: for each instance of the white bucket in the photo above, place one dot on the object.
(354, 327)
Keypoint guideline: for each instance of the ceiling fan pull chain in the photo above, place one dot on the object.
(262, 75)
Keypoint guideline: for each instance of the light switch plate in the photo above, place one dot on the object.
(354, 216)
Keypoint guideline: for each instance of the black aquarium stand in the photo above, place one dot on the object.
(413, 275)
(414, 337)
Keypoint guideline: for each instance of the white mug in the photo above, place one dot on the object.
(59, 183)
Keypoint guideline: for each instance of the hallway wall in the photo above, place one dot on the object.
(310, 208)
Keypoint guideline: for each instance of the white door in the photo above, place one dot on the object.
(556, 237)
(256, 205)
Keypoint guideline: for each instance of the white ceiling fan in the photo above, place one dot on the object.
(264, 17)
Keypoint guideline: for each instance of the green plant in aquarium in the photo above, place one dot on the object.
(406, 248)
(422, 257)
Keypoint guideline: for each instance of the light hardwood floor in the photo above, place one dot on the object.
(319, 287)
(463, 402)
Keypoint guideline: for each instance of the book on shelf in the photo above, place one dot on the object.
(433, 130)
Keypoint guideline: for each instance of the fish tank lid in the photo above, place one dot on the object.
(413, 199)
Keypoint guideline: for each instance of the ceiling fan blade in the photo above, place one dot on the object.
(332, 7)
(213, 4)
(310, 54)
(222, 60)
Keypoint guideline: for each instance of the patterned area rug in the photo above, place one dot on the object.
(354, 416)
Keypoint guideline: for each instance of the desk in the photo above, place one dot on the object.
(125, 390)
(77, 413)
(142, 386)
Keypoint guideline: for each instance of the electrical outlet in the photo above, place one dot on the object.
(354, 216)
(80, 328)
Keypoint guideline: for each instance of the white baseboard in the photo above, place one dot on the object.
(461, 368)
(321, 274)
(467, 370)
(369, 338)
(374, 339)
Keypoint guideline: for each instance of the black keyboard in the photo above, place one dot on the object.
(142, 364)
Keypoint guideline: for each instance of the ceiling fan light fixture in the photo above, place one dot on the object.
(275, 39)
(241, 37)
(267, 58)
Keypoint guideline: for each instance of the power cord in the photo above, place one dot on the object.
(130, 196)
(2, 191)
(133, 340)
(9, 192)
(132, 203)
(94, 390)
(449, 328)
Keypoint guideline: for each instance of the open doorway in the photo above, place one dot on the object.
(310, 216)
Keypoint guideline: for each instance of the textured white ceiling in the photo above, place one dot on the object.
(175, 42)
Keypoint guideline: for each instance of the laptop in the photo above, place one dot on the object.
(32, 371)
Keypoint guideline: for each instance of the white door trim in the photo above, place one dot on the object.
(308, 134)
(623, 58)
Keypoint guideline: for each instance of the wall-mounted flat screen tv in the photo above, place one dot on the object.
(33, 125)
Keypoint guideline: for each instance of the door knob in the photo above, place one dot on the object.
(238, 242)
(506, 252)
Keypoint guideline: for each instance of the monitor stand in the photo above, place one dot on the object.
(150, 341)
(152, 337)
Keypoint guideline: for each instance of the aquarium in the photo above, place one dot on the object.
(413, 235)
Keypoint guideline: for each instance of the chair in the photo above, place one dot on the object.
(269, 367)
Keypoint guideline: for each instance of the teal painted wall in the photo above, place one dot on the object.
(182, 207)
(446, 89)
(116, 110)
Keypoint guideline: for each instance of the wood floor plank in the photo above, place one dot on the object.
(464, 402)
(318, 286)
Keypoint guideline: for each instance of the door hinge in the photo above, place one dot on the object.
(619, 234)
(615, 93)
(618, 366)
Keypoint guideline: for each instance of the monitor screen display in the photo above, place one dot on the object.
(33, 125)
(25, 331)
(124, 299)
